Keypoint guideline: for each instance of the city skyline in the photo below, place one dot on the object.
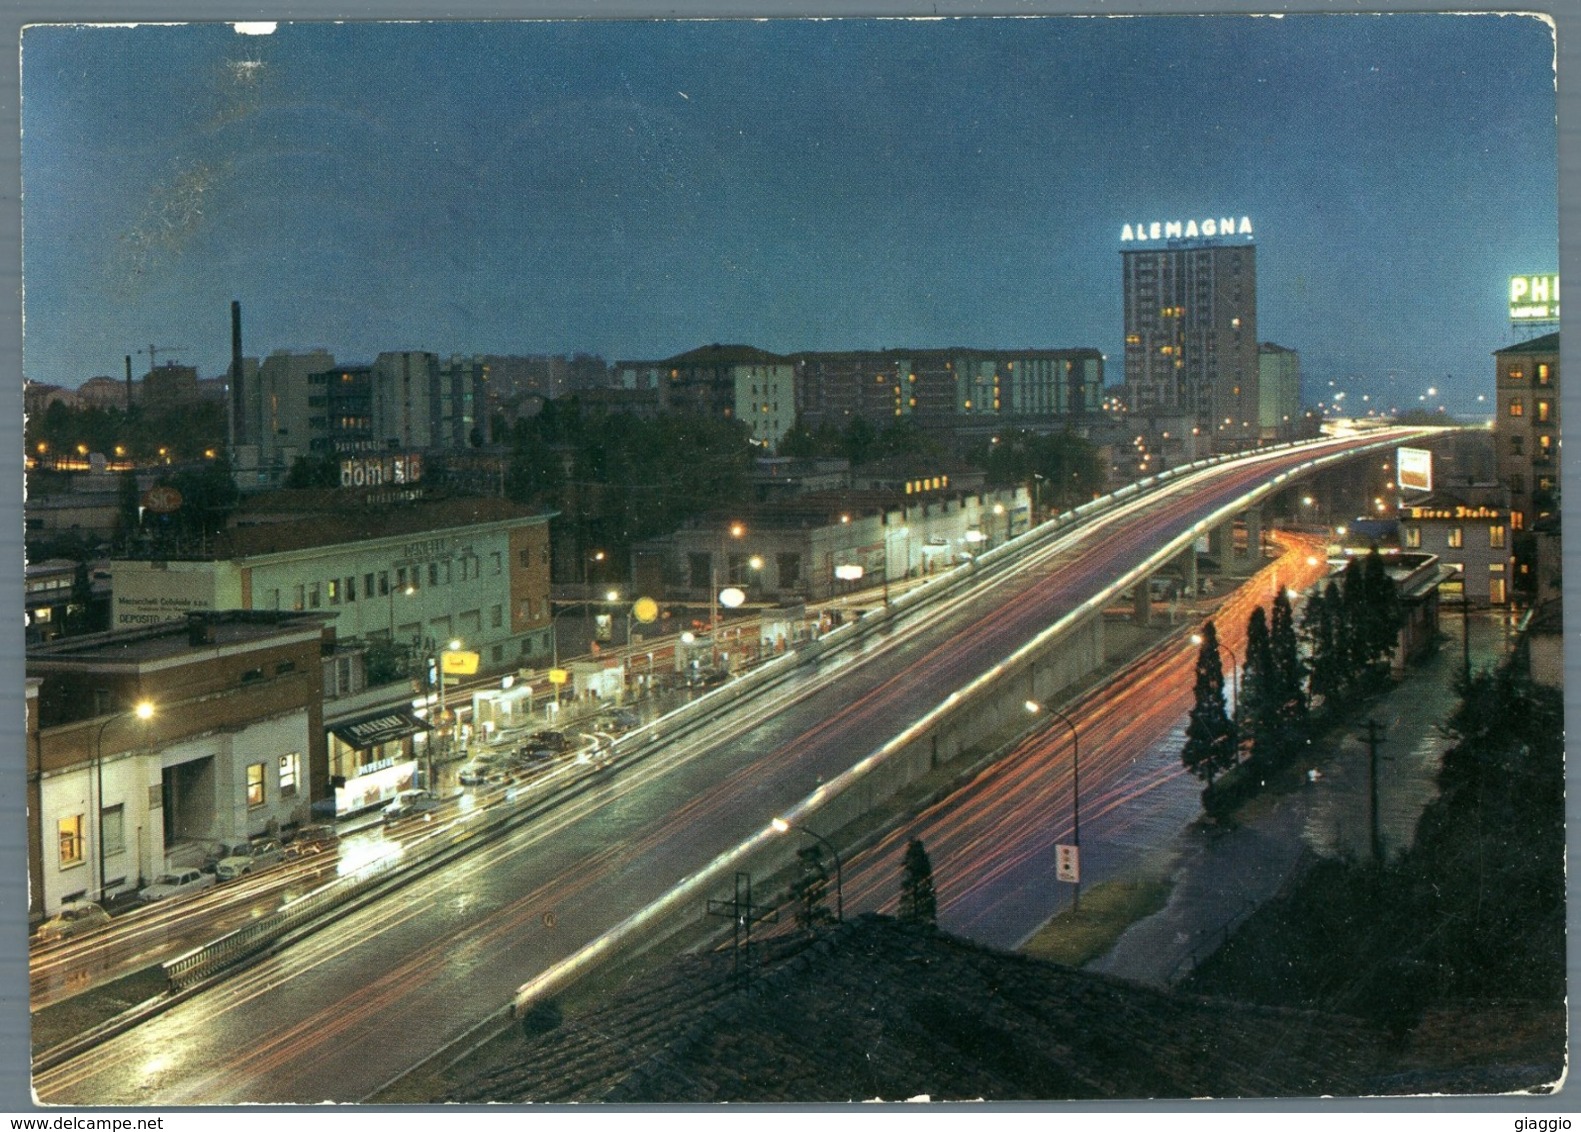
(852, 184)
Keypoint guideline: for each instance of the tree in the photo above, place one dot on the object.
(1289, 672)
(810, 889)
(1259, 705)
(918, 904)
(1381, 609)
(1210, 733)
(1321, 626)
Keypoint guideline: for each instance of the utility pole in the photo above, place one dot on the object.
(742, 913)
(1374, 728)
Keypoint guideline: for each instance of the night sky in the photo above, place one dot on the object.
(637, 189)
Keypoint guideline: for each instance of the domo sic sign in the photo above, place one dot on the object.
(376, 471)
(1207, 228)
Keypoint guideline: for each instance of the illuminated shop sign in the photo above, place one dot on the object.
(1415, 469)
(1186, 229)
(1534, 298)
(373, 471)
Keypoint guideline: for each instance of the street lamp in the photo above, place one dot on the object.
(1033, 707)
(1235, 666)
(736, 531)
(144, 711)
(780, 825)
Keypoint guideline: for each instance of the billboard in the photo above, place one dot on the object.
(1534, 298)
(1414, 469)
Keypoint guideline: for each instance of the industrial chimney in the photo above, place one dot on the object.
(238, 417)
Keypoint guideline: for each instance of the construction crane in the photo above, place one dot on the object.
(154, 351)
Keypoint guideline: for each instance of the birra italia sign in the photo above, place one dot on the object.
(1207, 228)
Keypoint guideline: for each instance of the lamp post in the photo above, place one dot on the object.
(736, 531)
(782, 826)
(144, 711)
(1235, 666)
(999, 509)
(1033, 706)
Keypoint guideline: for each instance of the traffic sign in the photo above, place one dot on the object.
(1067, 863)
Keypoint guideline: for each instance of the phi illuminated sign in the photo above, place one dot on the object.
(1534, 298)
(1186, 229)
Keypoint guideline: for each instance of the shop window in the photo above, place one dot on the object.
(255, 784)
(290, 769)
(69, 832)
(112, 829)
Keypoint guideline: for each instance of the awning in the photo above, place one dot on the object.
(381, 727)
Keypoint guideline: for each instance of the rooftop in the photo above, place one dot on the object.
(1547, 344)
(878, 1009)
(168, 639)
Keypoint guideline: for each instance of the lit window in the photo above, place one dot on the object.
(1496, 536)
(290, 769)
(1517, 407)
(334, 591)
(1413, 538)
(1456, 538)
(1542, 373)
(1514, 373)
(1544, 408)
(255, 784)
(69, 830)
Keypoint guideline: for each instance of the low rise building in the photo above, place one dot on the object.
(1470, 532)
(147, 742)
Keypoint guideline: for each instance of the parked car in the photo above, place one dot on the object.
(410, 802)
(484, 768)
(255, 855)
(620, 721)
(182, 882)
(311, 839)
(221, 850)
(73, 919)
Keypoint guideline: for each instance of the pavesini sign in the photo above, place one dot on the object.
(1534, 298)
(1186, 229)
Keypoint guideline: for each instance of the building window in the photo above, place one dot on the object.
(1517, 407)
(433, 573)
(255, 784)
(400, 578)
(1542, 373)
(1456, 538)
(1496, 591)
(313, 598)
(367, 585)
(290, 768)
(384, 583)
(69, 831)
(296, 600)
(496, 616)
(351, 588)
(1413, 538)
(789, 570)
(1514, 373)
(1544, 411)
(1545, 447)
(112, 829)
(1517, 446)
(334, 591)
(1496, 536)
(499, 563)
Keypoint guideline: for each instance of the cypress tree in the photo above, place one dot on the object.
(1259, 706)
(1210, 733)
(1321, 626)
(1290, 673)
(918, 904)
(1382, 614)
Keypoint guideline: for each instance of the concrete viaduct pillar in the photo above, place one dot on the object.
(1187, 564)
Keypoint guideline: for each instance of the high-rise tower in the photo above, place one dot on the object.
(1191, 325)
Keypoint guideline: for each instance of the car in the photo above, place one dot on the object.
(181, 882)
(483, 769)
(620, 721)
(409, 803)
(221, 850)
(73, 919)
(311, 839)
(250, 858)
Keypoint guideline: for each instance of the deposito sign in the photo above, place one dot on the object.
(1534, 298)
(1414, 469)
